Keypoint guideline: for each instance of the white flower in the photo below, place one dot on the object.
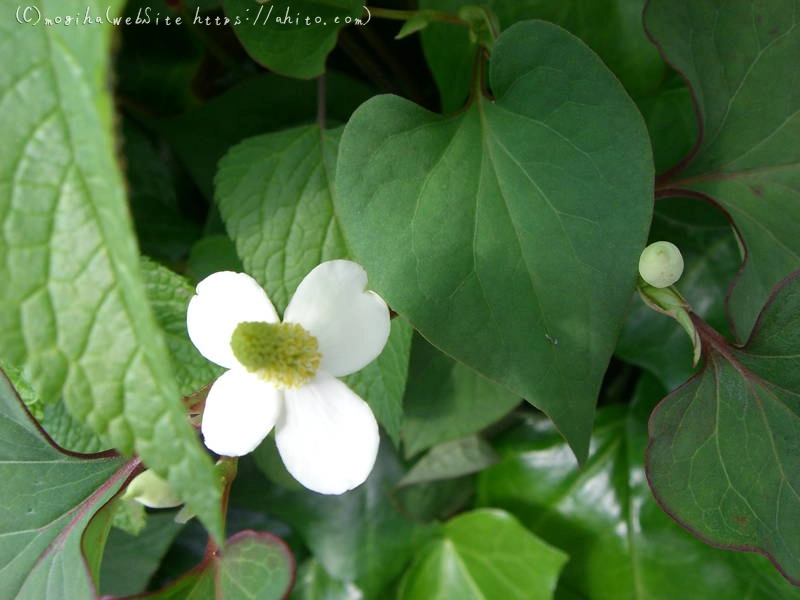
(284, 374)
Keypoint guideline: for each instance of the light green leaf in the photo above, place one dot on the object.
(292, 47)
(735, 56)
(489, 231)
(48, 498)
(169, 296)
(724, 454)
(620, 542)
(275, 195)
(252, 565)
(74, 310)
(445, 400)
(482, 555)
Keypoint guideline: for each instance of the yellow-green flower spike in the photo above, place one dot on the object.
(661, 264)
(284, 354)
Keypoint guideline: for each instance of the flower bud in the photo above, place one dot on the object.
(661, 264)
(149, 489)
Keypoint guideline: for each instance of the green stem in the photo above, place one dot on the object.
(405, 15)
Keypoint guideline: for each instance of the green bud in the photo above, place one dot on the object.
(661, 264)
(149, 489)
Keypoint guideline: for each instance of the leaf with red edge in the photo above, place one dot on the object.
(740, 59)
(47, 499)
(252, 565)
(724, 453)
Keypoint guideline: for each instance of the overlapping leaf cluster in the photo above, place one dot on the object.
(498, 198)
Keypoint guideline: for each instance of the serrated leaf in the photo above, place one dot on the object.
(612, 28)
(252, 565)
(275, 195)
(292, 47)
(735, 56)
(445, 400)
(484, 554)
(48, 498)
(169, 296)
(620, 542)
(488, 230)
(74, 310)
(724, 453)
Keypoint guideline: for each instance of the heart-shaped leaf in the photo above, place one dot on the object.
(285, 35)
(740, 58)
(252, 565)
(499, 233)
(724, 454)
(483, 554)
(48, 498)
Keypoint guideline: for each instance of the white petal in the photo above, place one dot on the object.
(327, 436)
(240, 411)
(224, 300)
(350, 323)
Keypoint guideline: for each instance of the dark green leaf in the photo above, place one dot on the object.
(74, 310)
(612, 28)
(736, 56)
(211, 254)
(313, 583)
(357, 537)
(489, 230)
(724, 454)
(297, 46)
(620, 542)
(482, 555)
(261, 104)
(48, 498)
(445, 400)
(130, 560)
(451, 459)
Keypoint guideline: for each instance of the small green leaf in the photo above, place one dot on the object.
(415, 24)
(451, 459)
(313, 583)
(211, 254)
(735, 56)
(489, 230)
(252, 565)
(724, 454)
(277, 34)
(445, 400)
(48, 499)
(74, 314)
(484, 554)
